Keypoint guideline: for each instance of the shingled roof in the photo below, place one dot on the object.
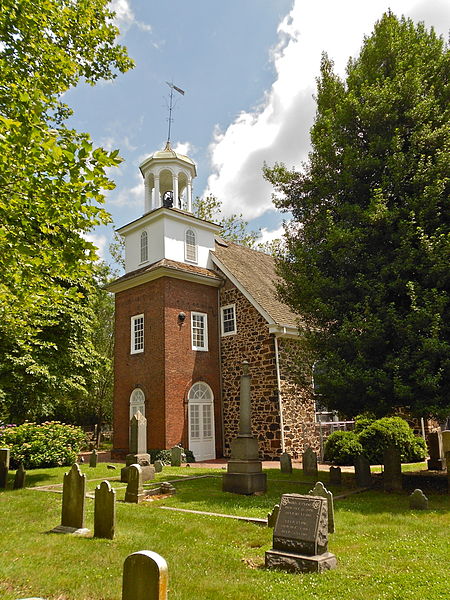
(254, 272)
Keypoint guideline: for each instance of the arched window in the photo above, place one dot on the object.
(137, 402)
(144, 246)
(190, 251)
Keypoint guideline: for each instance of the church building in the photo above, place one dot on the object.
(189, 309)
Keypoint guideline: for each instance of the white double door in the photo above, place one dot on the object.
(201, 421)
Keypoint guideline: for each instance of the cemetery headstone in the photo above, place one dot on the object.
(138, 449)
(158, 464)
(392, 478)
(135, 491)
(309, 462)
(335, 475)
(320, 490)
(273, 516)
(93, 458)
(286, 463)
(436, 462)
(4, 467)
(175, 456)
(73, 497)
(445, 435)
(19, 478)
(145, 577)
(104, 511)
(244, 469)
(167, 488)
(362, 471)
(418, 500)
(300, 536)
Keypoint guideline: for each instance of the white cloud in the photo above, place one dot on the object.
(125, 18)
(278, 130)
(184, 148)
(131, 197)
(99, 242)
(270, 235)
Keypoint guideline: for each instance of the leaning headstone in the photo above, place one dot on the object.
(175, 456)
(19, 478)
(418, 500)
(145, 577)
(362, 471)
(4, 467)
(72, 514)
(300, 536)
(335, 476)
(158, 464)
(436, 462)
(286, 463)
(93, 458)
(138, 449)
(104, 511)
(309, 462)
(273, 516)
(320, 490)
(135, 491)
(392, 478)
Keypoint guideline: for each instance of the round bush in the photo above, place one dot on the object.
(341, 447)
(391, 431)
(51, 444)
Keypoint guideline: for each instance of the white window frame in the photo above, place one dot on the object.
(144, 246)
(222, 320)
(193, 247)
(137, 402)
(203, 348)
(136, 347)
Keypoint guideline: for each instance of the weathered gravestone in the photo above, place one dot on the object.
(4, 467)
(392, 477)
(445, 442)
(309, 462)
(335, 476)
(320, 490)
(135, 491)
(73, 498)
(286, 463)
(175, 456)
(19, 478)
(138, 449)
(300, 536)
(104, 511)
(436, 462)
(244, 470)
(158, 465)
(145, 577)
(362, 471)
(93, 458)
(273, 516)
(418, 500)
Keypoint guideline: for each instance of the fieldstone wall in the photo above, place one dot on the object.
(300, 428)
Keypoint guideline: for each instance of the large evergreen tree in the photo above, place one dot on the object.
(368, 255)
(51, 182)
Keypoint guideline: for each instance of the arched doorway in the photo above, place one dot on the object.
(201, 421)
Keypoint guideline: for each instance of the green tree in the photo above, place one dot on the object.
(51, 190)
(368, 255)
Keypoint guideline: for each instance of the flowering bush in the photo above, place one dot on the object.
(51, 444)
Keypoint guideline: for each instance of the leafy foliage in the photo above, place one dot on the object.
(342, 447)
(50, 444)
(369, 245)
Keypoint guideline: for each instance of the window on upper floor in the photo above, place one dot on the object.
(199, 331)
(190, 246)
(144, 246)
(137, 334)
(228, 319)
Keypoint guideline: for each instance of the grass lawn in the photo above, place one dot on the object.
(384, 550)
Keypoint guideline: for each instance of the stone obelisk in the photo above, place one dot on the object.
(244, 473)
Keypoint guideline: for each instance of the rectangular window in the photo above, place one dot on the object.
(228, 319)
(199, 327)
(207, 421)
(195, 421)
(137, 334)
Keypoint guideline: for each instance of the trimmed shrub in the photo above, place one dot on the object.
(391, 431)
(341, 447)
(363, 421)
(51, 444)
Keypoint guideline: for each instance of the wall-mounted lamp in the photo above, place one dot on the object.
(182, 317)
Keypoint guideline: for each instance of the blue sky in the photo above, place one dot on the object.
(248, 68)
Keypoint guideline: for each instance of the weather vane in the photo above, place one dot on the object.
(180, 91)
